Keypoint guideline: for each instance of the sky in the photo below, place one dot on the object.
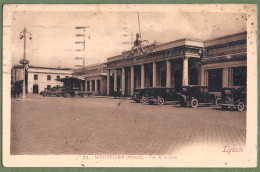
(53, 33)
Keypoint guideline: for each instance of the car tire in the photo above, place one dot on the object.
(194, 103)
(161, 101)
(144, 99)
(182, 100)
(241, 106)
(218, 101)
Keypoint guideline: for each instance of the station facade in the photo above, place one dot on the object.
(215, 63)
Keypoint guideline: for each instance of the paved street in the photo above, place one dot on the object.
(104, 125)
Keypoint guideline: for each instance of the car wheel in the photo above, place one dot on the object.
(182, 100)
(194, 103)
(144, 99)
(161, 101)
(241, 106)
(43, 95)
(218, 101)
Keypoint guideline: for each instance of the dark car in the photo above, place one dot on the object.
(161, 94)
(117, 93)
(139, 95)
(233, 97)
(194, 95)
(55, 91)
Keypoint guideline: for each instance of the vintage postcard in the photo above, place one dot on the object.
(130, 85)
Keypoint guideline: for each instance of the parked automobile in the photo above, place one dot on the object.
(194, 95)
(233, 98)
(117, 93)
(160, 95)
(72, 92)
(139, 95)
(55, 91)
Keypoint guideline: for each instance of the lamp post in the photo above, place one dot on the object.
(24, 62)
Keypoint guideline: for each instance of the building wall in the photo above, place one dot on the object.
(93, 81)
(42, 81)
(42, 73)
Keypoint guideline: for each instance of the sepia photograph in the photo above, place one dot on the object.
(147, 85)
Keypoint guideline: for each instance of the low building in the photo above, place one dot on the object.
(95, 78)
(39, 78)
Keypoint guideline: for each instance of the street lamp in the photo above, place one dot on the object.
(24, 62)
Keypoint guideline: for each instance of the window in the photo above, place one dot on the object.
(93, 85)
(215, 80)
(88, 85)
(48, 77)
(35, 77)
(239, 76)
(48, 87)
(58, 77)
(67, 76)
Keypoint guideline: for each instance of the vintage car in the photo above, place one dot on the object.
(139, 95)
(160, 95)
(117, 93)
(73, 92)
(233, 97)
(55, 91)
(194, 95)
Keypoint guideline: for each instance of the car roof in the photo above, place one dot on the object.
(233, 87)
(194, 86)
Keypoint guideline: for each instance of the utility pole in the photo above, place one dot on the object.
(24, 62)
(81, 40)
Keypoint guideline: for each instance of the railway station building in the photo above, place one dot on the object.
(215, 63)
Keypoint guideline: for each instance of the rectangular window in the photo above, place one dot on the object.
(215, 80)
(93, 85)
(239, 76)
(88, 85)
(35, 77)
(58, 77)
(48, 77)
(48, 87)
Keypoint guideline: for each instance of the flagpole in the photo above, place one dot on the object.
(139, 25)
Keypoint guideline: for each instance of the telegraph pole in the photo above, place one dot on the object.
(24, 62)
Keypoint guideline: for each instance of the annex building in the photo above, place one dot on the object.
(39, 78)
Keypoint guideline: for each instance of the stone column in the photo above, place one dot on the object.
(90, 85)
(142, 75)
(96, 86)
(108, 82)
(115, 80)
(132, 80)
(202, 77)
(185, 72)
(123, 81)
(86, 84)
(154, 74)
(225, 76)
(168, 73)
